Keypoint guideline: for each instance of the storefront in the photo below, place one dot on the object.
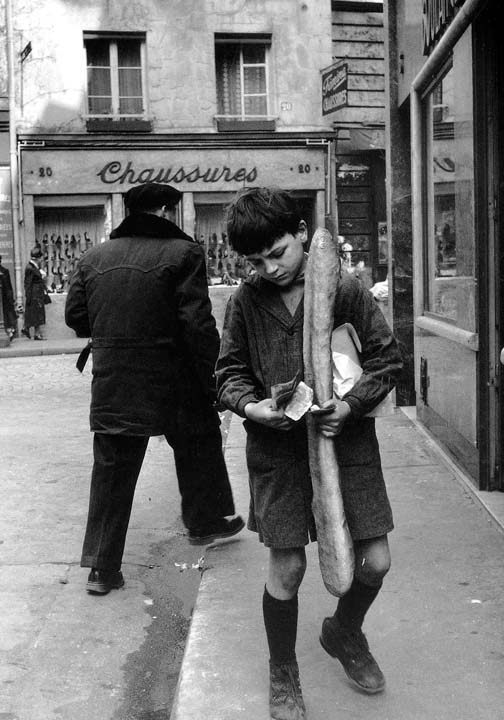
(455, 94)
(73, 197)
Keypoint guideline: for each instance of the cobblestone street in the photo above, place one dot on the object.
(20, 377)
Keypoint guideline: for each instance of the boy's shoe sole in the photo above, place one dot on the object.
(223, 529)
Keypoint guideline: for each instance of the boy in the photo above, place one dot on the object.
(262, 345)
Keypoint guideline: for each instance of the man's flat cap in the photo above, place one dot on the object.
(151, 195)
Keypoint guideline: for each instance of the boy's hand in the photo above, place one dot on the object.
(331, 424)
(264, 413)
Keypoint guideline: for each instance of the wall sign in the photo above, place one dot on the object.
(334, 88)
(55, 172)
(115, 172)
(436, 15)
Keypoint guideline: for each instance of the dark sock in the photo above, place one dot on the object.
(280, 621)
(353, 606)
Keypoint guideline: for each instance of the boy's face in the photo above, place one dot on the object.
(281, 263)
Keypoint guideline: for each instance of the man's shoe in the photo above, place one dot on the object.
(352, 650)
(26, 333)
(286, 699)
(101, 582)
(220, 529)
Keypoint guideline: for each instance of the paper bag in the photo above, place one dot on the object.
(345, 346)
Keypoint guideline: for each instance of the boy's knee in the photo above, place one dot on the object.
(287, 570)
(293, 573)
(373, 563)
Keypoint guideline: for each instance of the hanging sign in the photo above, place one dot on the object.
(334, 88)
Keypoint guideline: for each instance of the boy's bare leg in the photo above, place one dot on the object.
(342, 635)
(280, 611)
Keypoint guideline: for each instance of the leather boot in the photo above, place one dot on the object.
(351, 648)
(286, 699)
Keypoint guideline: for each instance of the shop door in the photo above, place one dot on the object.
(489, 138)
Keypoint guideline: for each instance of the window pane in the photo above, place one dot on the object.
(131, 106)
(254, 53)
(130, 82)
(98, 54)
(98, 81)
(254, 79)
(255, 106)
(128, 53)
(450, 183)
(99, 106)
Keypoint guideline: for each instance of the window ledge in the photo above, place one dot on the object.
(234, 125)
(118, 125)
(469, 339)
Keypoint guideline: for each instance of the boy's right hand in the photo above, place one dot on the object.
(264, 413)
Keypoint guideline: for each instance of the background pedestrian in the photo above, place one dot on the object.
(9, 312)
(36, 296)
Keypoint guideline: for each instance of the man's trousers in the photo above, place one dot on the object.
(202, 479)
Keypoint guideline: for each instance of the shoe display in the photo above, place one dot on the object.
(101, 582)
(217, 530)
(26, 333)
(351, 648)
(286, 699)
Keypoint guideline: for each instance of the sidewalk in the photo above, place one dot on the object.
(22, 347)
(435, 628)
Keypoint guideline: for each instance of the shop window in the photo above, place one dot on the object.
(64, 234)
(449, 191)
(224, 265)
(115, 85)
(241, 67)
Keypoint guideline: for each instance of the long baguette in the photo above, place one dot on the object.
(335, 545)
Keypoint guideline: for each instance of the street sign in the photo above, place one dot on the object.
(334, 88)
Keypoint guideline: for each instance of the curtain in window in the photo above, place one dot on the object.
(130, 77)
(228, 79)
(98, 76)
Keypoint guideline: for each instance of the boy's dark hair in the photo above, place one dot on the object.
(258, 216)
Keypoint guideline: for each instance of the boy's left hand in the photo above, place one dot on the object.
(331, 424)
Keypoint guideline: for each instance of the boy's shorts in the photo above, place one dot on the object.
(281, 490)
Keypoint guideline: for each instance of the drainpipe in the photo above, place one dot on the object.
(14, 167)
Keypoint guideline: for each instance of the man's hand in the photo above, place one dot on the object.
(331, 424)
(263, 412)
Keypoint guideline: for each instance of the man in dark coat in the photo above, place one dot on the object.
(142, 297)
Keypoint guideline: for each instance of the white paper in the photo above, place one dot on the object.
(345, 374)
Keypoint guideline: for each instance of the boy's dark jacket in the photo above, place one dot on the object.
(143, 298)
(262, 344)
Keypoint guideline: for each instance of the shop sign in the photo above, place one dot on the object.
(116, 172)
(436, 16)
(6, 229)
(334, 88)
(53, 173)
